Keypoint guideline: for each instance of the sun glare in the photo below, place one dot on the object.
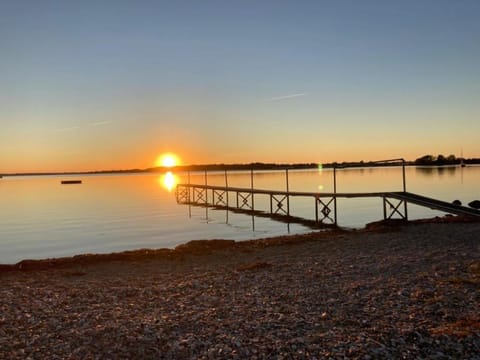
(168, 160)
(169, 181)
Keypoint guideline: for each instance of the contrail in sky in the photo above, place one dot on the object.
(100, 123)
(286, 97)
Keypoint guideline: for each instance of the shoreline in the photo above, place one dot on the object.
(207, 246)
(383, 292)
(196, 247)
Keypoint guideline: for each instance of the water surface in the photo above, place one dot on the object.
(39, 218)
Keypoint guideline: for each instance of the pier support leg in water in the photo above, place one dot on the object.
(395, 209)
(220, 198)
(326, 208)
(199, 195)
(183, 195)
(278, 201)
(244, 200)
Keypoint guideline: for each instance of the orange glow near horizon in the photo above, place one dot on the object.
(168, 160)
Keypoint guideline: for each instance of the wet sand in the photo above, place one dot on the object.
(384, 292)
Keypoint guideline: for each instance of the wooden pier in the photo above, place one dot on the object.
(394, 203)
(325, 204)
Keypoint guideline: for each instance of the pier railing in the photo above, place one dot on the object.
(387, 202)
(325, 204)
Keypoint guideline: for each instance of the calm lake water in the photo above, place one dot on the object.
(39, 218)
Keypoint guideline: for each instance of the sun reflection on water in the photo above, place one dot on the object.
(169, 180)
(320, 172)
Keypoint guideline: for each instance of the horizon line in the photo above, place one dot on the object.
(241, 166)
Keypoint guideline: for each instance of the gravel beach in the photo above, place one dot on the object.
(401, 292)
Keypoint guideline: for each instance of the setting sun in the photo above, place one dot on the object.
(168, 160)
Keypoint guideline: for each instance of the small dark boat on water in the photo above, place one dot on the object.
(69, 182)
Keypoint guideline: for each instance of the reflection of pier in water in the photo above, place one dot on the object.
(283, 218)
(325, 204)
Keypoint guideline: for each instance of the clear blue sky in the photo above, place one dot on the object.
(90, 85)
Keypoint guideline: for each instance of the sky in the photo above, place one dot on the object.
(93, 85)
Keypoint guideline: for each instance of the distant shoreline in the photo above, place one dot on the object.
(244, 167)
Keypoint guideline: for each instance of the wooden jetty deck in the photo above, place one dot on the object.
(434, 204)
(394, 203)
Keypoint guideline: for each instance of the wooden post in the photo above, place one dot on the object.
(253, 204)
(251, 187)
(334, 179)
(189, 195)
(288, 201)
(206, 197)
(335, 194)
(384, 208)
(404, 189)
(288, 192)
(226, 194)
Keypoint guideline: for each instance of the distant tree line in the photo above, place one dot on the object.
(249, 166)
(444, 160)
(438, 160)
(426, 160)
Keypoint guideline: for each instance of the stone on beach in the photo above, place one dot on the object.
(474, 204)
